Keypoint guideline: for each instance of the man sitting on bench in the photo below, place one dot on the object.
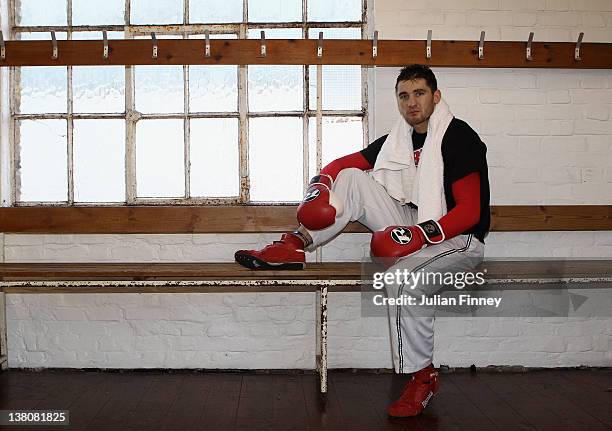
(426, 198)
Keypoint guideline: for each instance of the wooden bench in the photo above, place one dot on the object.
(195, 277)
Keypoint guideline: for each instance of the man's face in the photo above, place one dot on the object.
(416, 102)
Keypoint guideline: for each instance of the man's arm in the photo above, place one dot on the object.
(355, 160)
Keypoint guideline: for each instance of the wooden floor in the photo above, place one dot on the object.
(186, 400)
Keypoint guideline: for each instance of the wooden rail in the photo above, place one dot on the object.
(262, 218)
(395, 53)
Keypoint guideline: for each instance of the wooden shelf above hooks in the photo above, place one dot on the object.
(389, 53)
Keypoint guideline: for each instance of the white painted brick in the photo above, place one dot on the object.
(454, 18)
(104, 313)
(527, 128)
(593, 19)
(524, 19)
(486, 95)
(558, 96)
(559, 5)
(17, 312)
(149, 313)
(597, 111)
(523, 97)
(561, 175)
(561, 128)
(561, 144)
(69, 314)
(394, 6)
(526, 175)
(591, 95)
(487, 18)
(560, 112)
(592, 127)
(594, 5)
(558, 80)
(530, 146)
(528, 112)
(549, 18)
(592, 175)
(523, 4)
(422, 17)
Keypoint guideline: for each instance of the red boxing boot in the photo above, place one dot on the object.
(417, 393)
(287, 253)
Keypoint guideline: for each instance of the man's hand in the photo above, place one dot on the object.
(320, 207)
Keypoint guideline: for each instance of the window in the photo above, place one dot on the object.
(181, 134)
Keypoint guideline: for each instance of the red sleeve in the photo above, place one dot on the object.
(355, 160)
(466, 213)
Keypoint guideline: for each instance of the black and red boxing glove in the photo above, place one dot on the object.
(320, 206)
(389, 245)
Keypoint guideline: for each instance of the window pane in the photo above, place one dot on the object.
(275, 88)
(341, 136)
(98, 89)
(213, 88)
(337, 10)
(41, 35)
(341, 84)
(42, 12)
(341, 87)
(43, 89)
(99, 160)
(97, 35)
(275, 159)
(275, 10)
(215, 11)
(156, 12)
(160, 164)
(159, 89)
(214, 157)
(275, 33)
(88, 12)
(43, 171)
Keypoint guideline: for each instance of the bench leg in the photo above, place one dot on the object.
(321, 344)
(3, 344)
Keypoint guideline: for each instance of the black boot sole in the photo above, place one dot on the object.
(252, 262)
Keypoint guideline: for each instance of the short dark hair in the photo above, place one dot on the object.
(416, 71)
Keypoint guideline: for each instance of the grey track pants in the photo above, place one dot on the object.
(366, 201)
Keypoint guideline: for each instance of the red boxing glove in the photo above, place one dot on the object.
(395, 242)
(320, 207)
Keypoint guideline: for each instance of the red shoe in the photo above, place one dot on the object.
(418, 391)
(287, 253)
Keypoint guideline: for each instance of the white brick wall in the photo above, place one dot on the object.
(549, 138)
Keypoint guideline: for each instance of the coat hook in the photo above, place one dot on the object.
(481, 46)
(2, 47)
(154, 39)
(263, 43)
(528, 51)
(105, 51)
(320, 46)
(206, 43)
(577, 50)
(375, 44)
(54, 54)
(428, 49)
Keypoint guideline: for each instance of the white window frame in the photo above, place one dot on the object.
(9, 181)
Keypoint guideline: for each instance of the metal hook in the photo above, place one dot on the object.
(428, 49)
(481, 46)
(320, 46)
(263, 43)
(2, 47)
(54, 54)
(528, 51)
(206, 43)
(577, 50)
(375, 44)
(105, 51)
(154, 39)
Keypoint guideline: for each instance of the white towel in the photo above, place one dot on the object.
(396, 171)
